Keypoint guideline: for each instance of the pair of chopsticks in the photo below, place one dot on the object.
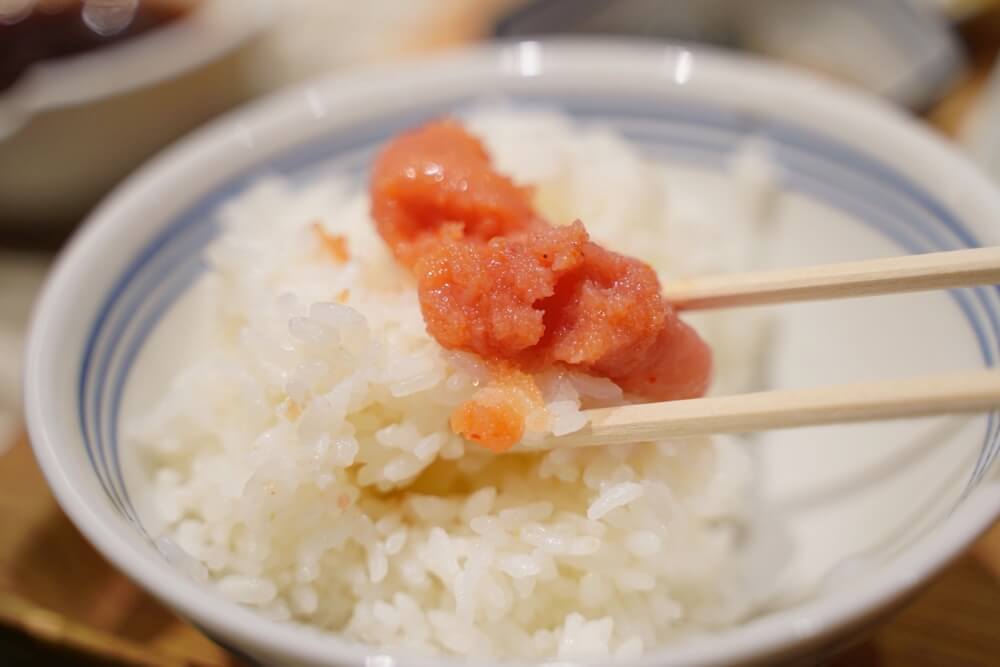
(953, 393)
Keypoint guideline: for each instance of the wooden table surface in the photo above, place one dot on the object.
(60, 599)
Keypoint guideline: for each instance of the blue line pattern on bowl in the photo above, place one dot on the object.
(813, 165)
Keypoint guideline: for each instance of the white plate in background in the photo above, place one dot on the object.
(900, 49)
(981, 133)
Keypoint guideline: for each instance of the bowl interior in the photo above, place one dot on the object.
(836, 504)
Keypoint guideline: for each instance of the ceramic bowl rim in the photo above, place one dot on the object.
(811, 623)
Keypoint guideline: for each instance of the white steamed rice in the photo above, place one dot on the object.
(303, 464)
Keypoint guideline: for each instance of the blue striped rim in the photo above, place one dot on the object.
(814, 165)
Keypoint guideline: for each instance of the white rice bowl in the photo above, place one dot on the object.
(303, 465)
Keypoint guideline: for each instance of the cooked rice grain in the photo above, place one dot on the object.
(303, 461)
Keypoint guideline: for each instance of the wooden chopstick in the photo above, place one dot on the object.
(910, 273)
(968, 392)
(954, 393)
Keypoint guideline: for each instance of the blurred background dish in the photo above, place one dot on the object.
(982, 134)
(68, 52)
(73, 126)
(901, 50)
